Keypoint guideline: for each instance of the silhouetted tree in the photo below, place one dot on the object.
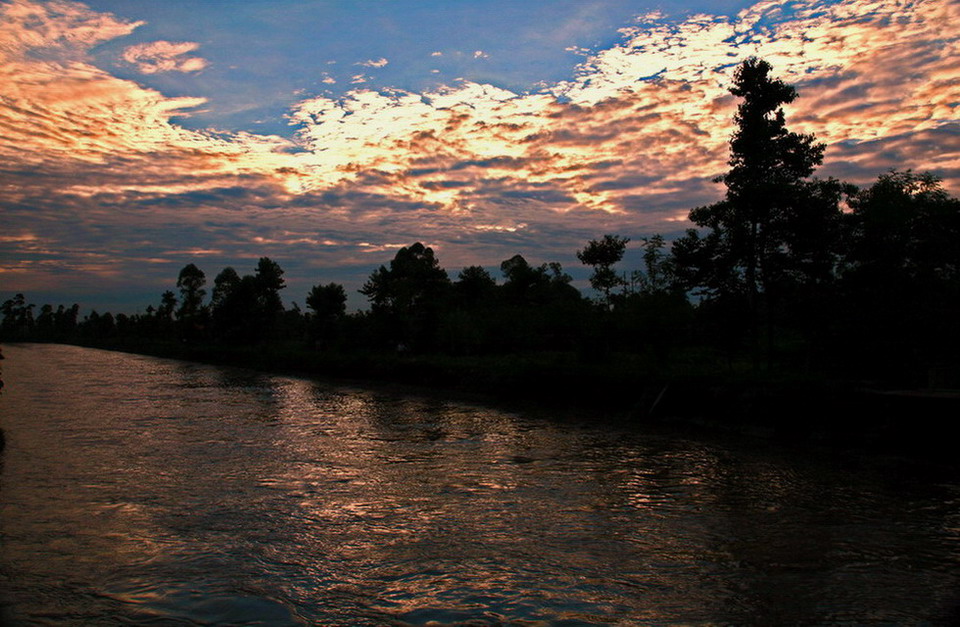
(414, 277)
(190, 281)
(407, 298)
(901, 276)
(543, 284)
(225, 308)
(168, 303)
(659, 273)
(124, 324)
(65, 321)
(329, 305)
(191, 314)
(17, 322)
(327, 301)
(45, 323)
(98, 326)
(237, 316)
(248, 308)
(742, 255)
(269, 282)
(602, 255)
(520, 278)
(540, 308)
(468, 321)
(904, 227)
(223, 284)
(291, 324)
(474, 286)
(651, 313)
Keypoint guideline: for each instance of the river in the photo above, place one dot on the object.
(150, 491)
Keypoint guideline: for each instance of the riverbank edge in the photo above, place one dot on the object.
(784, 406)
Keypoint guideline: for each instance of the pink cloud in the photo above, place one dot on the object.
(627, 145)
(381, 62)
(164, 56)
(68, 27)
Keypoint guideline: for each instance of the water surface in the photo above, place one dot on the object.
(151, 491)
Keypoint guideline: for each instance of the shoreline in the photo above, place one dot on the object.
(783, 407)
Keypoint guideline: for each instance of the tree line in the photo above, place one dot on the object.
(786, 271)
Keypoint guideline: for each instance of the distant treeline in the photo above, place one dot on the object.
(786, 272)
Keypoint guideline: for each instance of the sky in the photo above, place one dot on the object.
(138, 136)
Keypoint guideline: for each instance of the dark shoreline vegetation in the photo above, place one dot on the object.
(797, 307)
(788, 407)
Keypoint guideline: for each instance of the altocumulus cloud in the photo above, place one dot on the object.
(164, 56)
(628, 144)
(657, 105)
(381, 62)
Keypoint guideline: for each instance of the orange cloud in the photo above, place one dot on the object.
(657, 105)
(628, 144)
(63, 116)
(61, 25)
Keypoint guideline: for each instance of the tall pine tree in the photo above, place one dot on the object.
(751, 247)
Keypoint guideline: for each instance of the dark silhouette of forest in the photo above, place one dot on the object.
(788, 274)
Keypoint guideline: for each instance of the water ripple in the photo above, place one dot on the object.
(148, 491)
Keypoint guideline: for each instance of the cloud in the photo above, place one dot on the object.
(64, 28)
(657, 103)
(164, 56)
(95, 168)
(81, 150)
(381, 62)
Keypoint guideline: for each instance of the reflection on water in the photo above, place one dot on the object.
(139, 489)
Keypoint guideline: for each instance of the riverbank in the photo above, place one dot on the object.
(784, 406)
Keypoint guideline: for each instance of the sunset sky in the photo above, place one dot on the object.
(142, 135)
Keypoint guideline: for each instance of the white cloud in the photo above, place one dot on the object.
(381, 62)
(164, 56)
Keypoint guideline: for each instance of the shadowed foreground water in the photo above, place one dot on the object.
(144, 490)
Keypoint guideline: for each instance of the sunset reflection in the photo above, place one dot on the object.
(179, 490)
